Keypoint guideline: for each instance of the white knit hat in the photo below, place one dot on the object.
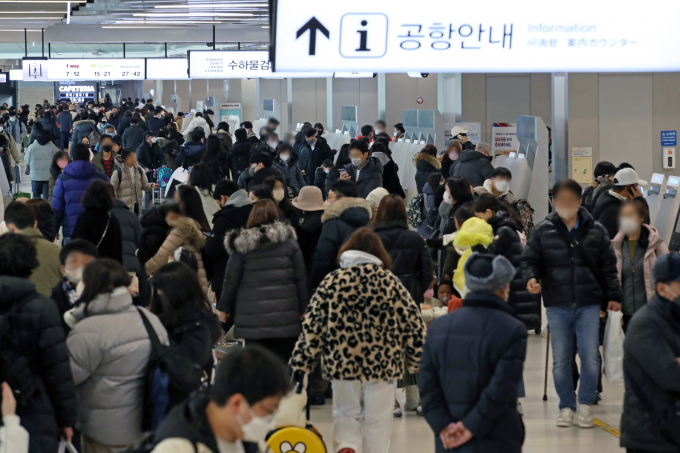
(376, 195)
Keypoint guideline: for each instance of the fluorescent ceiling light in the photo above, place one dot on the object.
(59, 16)
(265, 26)
(39, 1)
(2, 29)
(191, 14)
(146, 26)
(214, 5)
(170, 22)
(31, 12)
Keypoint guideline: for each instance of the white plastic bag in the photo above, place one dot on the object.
(66, 447)
(613, 348)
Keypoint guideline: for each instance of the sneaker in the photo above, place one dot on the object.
(585, 416)
(397, 410)
(566, 418)
(598, 399)
(519, 408)
(419, 410)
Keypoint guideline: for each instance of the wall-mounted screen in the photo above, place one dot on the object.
(657, 178)
(348, 113)
(166, 68)
(426, 119)
(269, 105)
(410, 118)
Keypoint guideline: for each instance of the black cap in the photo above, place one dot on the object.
(117, 139)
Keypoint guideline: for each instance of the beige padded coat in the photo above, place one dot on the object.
(185, 233)
(123, 184)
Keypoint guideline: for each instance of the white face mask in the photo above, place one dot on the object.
(74, 275)
(291, 142)
(278, 194)
(285, 157)
(153, 139)
(628, 225)
(502, 185)
(2, 128)
(357, 162)
(566, 213)
(257, 428)
(379, 131)
(273, 145)
(447, 198)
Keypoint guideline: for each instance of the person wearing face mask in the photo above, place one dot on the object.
(252, 136)
(603, 181)
(10, 148)
(16, 128)
(498, 185)
(105, 160)
(236, 414)
(261, 164)
(569, 259)
(280, 194)
(272, 142)
(399, 131)
(637, 247)
(73, 256)
(313, 154)
(475, 164)
(156, 121)
(455, 386)
(365, 171)
(320, 130)
(130, 181)
(380, 127)
(626, 187)
(651, 370)
(286, 162)
(83, 127)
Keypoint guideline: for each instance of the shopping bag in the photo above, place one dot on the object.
(613, 348)
(66, 447)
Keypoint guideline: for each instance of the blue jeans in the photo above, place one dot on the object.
(40, 188)
(564, 322)
(65, 138)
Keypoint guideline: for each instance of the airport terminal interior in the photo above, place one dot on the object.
(348, 227)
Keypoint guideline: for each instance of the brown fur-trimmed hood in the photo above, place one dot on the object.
(336, 209)
(427, 158)
(188, 229)
(250, 239)
(83, 122)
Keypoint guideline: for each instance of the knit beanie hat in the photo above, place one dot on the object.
(376, 196)
(486, 273)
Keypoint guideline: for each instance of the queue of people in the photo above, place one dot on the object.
(314, 257)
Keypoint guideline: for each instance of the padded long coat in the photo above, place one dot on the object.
(264, 285)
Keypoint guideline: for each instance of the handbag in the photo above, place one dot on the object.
(66, 447)
(106, 228)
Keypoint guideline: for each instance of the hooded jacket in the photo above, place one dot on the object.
(154, 232)
(363, 323)
(425, 164)
(133, 137)
(291, 172)
(185, 233)
(198, 121)
(264, 286)
(370, 176)
(411, 261)
(122, 183)
(109, 350)
(564, 276)
(650, 247)
(82, 129)
(190, 154)
(474, 166)
(487, 187)
(340, 220)
(49, 124)
(69, 189)
(39, 158)
(478, 389)
(473, 232)
(17, 129)
(36, 329)
(239, 158)
(233, 216)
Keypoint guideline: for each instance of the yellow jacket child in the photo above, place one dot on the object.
(474, 231)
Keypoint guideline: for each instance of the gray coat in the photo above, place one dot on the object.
(39, 158)
(264, 285)
(109, 351)
(291, 172)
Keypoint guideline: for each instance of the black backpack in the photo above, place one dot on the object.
(15, 367)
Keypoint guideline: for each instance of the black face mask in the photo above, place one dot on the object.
(107, 148)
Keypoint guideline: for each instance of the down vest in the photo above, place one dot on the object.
(264, 285)
(109, 350)
(36, 328)
(564, 276)
(185, 233)
(507, 242)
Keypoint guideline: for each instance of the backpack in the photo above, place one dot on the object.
(94, 137)
(416, 211)
(164, 176)
(526, 213)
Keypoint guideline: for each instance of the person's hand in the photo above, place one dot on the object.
(594, 183)
(67, 433)
(345, 176)
(533, 286)
(71, 131)
(459, 435)
(302, 316)
(636, 191)
(446, 438)
(678, 360)
(614, 306)
(304, 173)
(223, 316)
(154, 185)
(9, 404)
(146, 170)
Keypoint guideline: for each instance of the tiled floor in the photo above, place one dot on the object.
(412, 434)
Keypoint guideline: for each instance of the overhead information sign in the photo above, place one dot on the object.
(481, 36)
(238, 64)
(166, 68)
(100, 69)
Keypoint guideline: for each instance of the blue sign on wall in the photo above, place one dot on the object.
(669, 138)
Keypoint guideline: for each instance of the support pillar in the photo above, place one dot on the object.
(289, 102)
(381, 97)
(329, 105)
(560, 126)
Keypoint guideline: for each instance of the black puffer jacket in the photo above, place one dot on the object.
(311, 160)
(36, 329)
(606, 211)
(477, 388)
(239, 158)
(425, 164)
(218, 165)
(507, 242)
(411, 261)
(308, 228)
(264, 288)
(473, 165)
(340, 220)
(262, 174)
(154, 232)
(190, 153)
(390, 178)
(370, 176)
(564, 276)
(651, 374)
(150, 156)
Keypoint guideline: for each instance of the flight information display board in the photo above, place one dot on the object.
(100, 69)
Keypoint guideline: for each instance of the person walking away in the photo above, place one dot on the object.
(637, 247)
(626, 187)
(44, 215)
(475, 234)
(457, 389)
(130, 182)
(650, 365)
(306, 219)
(191, 152)
(59, 162)
(425, 162)
(150, 158)
(65, 120)
(362, 396)
(603, 181)
(48, 413)
(345, 212)
(498, 185)
(133, 135)
(156, 122)
(180, 304)
(475, 164)
(390, 176)
(201, 179)
(216, 158)
(234, 414)
(460, 133)
(569, 259)
(38, 157)
(109, 350)
(96, 223)
(264, 288)
(286, 161)
(105, 160)
(198, 122)
(239, 154)
(20, 219)
(235, 206)
(365, 171)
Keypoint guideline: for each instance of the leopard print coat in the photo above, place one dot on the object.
(364, 323)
